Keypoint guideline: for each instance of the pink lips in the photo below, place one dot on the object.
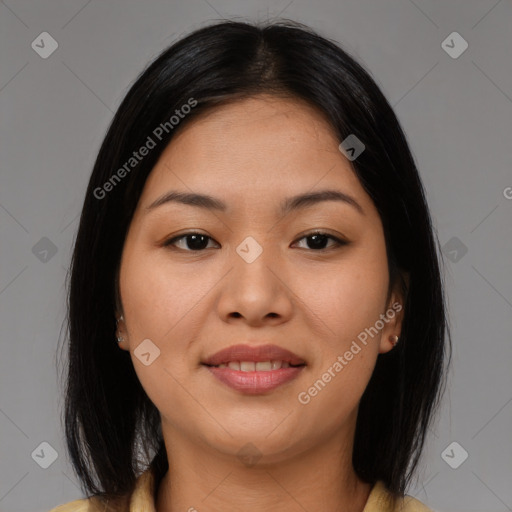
(254, 382)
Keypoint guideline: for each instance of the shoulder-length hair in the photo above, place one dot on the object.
(109, 420)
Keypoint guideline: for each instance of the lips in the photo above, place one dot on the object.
(254, 370)
(246, 353)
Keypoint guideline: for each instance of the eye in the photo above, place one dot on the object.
(195, 241)
(198, 241)
(319, 238)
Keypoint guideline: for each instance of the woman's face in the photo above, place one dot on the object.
(255, 275)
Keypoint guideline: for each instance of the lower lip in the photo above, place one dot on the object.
(254, 383)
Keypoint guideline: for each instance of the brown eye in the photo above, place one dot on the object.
(194, 241)
(317, 241)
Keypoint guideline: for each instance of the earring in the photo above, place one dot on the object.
(120, 337)
(393, 339)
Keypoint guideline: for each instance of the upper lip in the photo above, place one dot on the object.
(253, 353)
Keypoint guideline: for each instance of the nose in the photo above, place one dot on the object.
(256, 293)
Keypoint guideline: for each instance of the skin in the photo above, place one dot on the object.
(252, 154)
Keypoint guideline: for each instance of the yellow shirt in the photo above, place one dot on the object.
(142, 500)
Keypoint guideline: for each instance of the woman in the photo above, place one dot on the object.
(256, 309)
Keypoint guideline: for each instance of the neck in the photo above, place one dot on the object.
(200, 479)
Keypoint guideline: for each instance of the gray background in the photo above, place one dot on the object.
(456, 112)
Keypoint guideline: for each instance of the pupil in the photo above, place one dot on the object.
(195, 244)
(198, 242)
(318, 241)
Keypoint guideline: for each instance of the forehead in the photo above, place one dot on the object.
(258, 120)
(261, 146)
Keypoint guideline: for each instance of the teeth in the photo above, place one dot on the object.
(264, 366)
(251, 366)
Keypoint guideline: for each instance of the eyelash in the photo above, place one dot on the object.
(339, 242)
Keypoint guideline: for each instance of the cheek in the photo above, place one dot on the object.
(155, 306)
(159, 306)
(157, 297)
(349, 301)
(350, 296)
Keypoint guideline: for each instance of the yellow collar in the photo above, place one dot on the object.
(379, 500)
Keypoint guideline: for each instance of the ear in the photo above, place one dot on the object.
(121, 332)
(394, 314)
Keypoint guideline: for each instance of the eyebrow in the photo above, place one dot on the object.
(288, 205)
